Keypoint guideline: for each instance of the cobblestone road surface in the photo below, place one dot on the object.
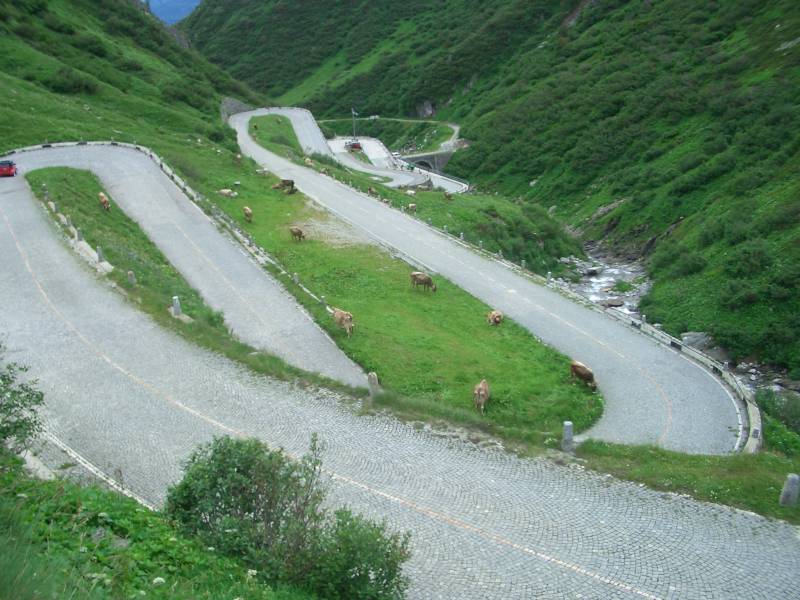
(257, 309)
(653, 394)
(129, 395)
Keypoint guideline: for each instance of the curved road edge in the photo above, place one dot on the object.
(653, 396)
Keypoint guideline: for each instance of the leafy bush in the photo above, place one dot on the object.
(736, 294)
(784, 407)
(92, 44)
(689, 263)
(259, 504)
(19, 422)
(70, 81)
(749, 259)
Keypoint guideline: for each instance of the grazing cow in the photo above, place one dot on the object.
(584, 373)
(423, 279)
(344, 320)
(411, 193)
(248, 214)
(481, 395)
(297, 233)
(287, 185)
(104, 201)
(308, 161)
(325, 171)
(227, 192)
(371, 191)
(495, 317)
(448, 196)
(412, 208)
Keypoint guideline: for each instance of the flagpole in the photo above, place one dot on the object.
(353, 111)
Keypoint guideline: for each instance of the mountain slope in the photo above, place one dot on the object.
(666, 129)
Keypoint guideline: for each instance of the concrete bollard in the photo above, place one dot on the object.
(445, 228)
(480, 244)
(69, 222)
(549, 277)
(429, 221)
(461, 236)
(644, 318)
(295, 278)
(791, 490)
(131, 277)
(176, 306)
(374, 384)
(100, 257)
(322, 301)
(78, 234)
(567, 444)
(524, 266)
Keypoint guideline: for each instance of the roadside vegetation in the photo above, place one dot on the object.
(400, 332)
(127, 248)
(669, 130)
(398, 135)
(518, 231)
(748, 481)
(245, 521)
(130, 90)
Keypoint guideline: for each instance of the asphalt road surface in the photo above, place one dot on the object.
(653, 394)
(129, 395)
(257, 309)
(313, 141)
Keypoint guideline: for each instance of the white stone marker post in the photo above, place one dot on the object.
(791, 489)
(567, 444)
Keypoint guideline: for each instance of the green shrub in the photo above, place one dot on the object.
(736, 294)
(749, 259)
(92, 44)
(778, 437)
(258, 504)
(688, 263)
(19, 422)
(70, 81)
(784, 407)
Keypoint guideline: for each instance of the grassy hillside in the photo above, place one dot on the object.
(667, 129)
(61, 540)
(355, 276)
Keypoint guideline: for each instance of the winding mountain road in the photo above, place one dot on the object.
(256, 308)
(126, 394)
(653, 394)
(312, 140)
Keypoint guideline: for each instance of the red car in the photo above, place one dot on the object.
(7, 168)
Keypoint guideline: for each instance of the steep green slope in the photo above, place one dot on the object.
(104, 69)
(670, 127)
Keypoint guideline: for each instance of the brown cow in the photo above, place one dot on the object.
(248, 214)
(412, 208)
(448, 196)
(423, 279)
(287, 185)
(371, 191)
(297, 233)
(104, 201)
(344, 320)
(495, 317)
(584, 373)
(481, 395)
